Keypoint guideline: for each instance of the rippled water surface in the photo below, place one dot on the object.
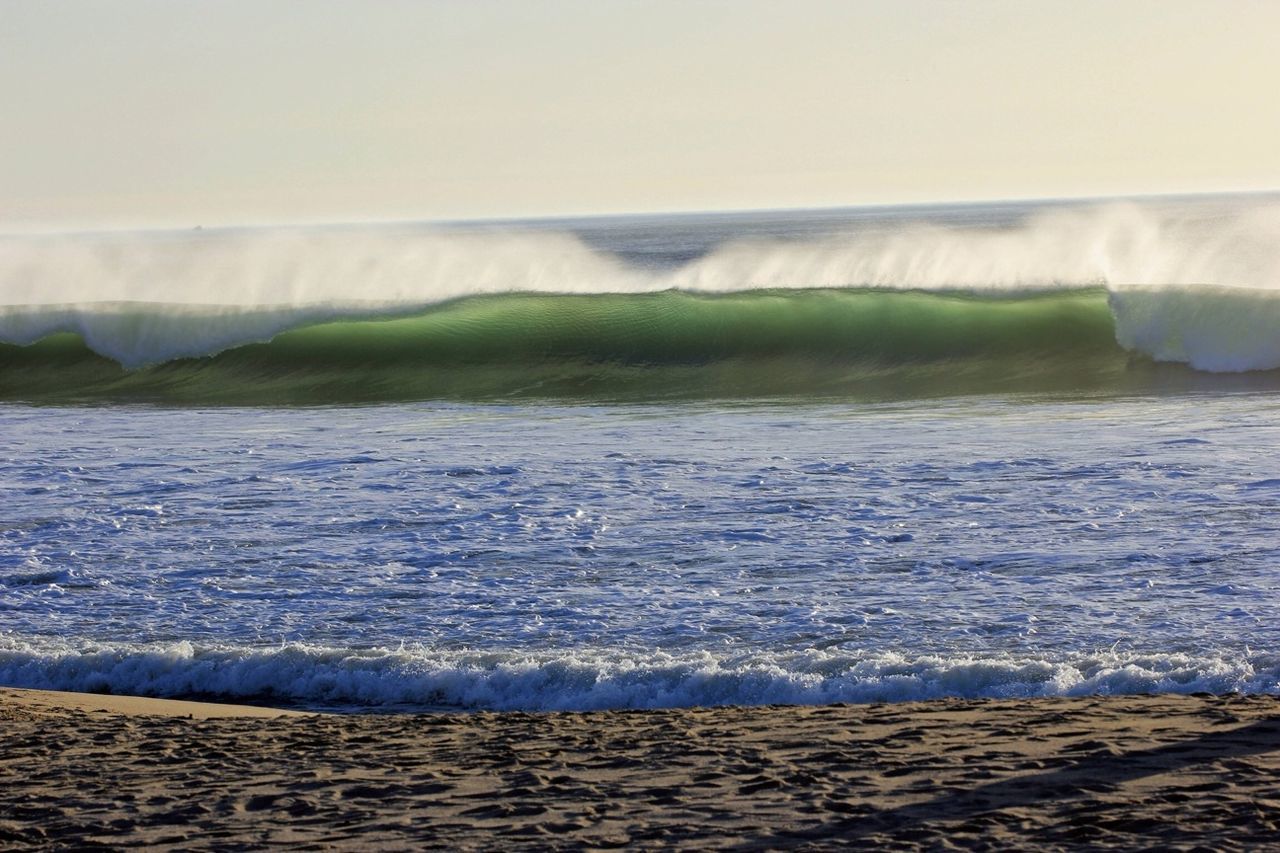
(553, 556)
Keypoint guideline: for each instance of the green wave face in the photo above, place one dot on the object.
(827, 344)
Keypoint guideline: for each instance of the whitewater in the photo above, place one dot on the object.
(809, 456)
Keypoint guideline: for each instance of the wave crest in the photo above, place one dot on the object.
(1200, 288)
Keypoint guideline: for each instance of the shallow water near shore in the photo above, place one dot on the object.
(545, 556)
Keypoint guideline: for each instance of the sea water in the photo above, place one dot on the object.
(905, 457)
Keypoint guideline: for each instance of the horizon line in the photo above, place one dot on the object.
(1203, 195)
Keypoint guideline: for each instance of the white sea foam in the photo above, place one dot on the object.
(1218, 329)
(601, 679)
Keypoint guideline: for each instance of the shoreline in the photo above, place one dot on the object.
(1097, 771)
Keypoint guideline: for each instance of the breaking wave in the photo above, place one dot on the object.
(1080, 299)
(420, 678)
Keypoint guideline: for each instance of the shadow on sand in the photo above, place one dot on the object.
(1088, 768)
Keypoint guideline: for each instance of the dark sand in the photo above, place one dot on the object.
(1130, 772)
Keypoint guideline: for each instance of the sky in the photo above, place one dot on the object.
(157, 113)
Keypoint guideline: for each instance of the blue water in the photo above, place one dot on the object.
(544, 556)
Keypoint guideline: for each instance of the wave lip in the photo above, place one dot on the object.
(425, 678)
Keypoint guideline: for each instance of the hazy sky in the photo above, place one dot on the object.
(159, 112)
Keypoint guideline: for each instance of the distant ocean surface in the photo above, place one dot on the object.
(783, 457)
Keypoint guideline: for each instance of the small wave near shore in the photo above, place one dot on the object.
(424, 678)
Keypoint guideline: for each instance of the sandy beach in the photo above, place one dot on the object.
(1125, 772)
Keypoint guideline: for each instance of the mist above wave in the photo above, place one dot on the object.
(1113, 244)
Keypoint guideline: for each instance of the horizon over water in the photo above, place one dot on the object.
(873, 454)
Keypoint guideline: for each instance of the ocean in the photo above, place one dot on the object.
(862, 455)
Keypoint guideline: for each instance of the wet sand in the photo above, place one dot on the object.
(1126, 772)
